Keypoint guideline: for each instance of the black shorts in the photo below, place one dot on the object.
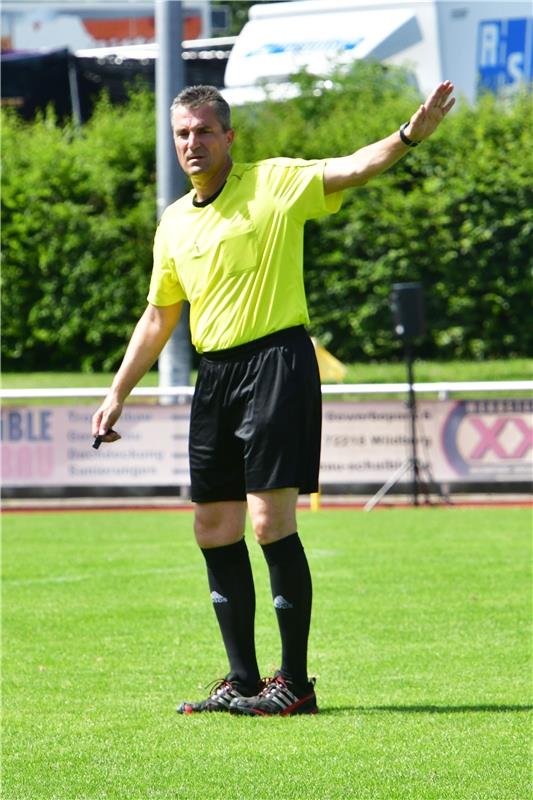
(256, 419)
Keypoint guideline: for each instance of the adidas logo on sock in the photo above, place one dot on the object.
(280, 602)
(218, 598)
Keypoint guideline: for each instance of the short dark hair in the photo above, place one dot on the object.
(194, 96)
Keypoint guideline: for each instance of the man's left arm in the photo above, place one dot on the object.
(358, 168)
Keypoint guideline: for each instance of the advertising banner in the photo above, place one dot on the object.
(460, 441)
(457, 441)
(52, 446)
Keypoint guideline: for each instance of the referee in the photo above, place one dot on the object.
(233, 247)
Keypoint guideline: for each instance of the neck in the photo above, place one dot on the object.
(206, 186)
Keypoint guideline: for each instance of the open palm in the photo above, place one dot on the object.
(431, 113)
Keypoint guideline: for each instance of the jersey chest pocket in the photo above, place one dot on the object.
(239, 250)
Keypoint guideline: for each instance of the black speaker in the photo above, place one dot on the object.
(407, 305)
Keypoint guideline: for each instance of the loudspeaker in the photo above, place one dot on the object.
(407, 305)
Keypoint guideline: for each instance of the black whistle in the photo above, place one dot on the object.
(99, 439)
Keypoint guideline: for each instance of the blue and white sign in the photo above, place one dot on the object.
(505, 54)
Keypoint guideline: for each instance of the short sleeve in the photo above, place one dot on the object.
(165, 288)
(299, 185)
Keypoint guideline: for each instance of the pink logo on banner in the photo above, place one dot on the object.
(490, 438)
(27, 462)
(27, 444)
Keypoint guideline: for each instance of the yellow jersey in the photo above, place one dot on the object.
(239, 259)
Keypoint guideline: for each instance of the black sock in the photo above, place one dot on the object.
(290, 581)
(232, 591)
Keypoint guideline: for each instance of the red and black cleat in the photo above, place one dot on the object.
(279, 697)
(222, 692)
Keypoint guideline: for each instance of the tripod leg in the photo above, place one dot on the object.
(388, 485)
(430, 481)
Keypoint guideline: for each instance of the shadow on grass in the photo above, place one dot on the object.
(429, 709)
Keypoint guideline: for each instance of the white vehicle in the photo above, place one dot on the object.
(477, 44)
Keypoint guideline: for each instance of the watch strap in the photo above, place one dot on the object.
(405, 139)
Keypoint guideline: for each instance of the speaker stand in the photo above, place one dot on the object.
(411, 464)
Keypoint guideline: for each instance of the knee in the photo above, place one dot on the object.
(273, 515)
(203, 532)
(265, 529)
(214, 529)
(262, 534)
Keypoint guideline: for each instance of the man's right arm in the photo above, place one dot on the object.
(148, 339)
(367, 162)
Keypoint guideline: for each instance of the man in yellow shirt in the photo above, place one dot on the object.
(233, 247)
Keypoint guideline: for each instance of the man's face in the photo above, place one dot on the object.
(202, 146)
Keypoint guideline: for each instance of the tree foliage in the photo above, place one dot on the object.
(78, 212)
(78, 217)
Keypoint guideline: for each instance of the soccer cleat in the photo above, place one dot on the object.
(279, 697)
(222, 692)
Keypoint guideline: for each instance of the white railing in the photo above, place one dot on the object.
(442, 388)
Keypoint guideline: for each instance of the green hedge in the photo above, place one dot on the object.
(456, 214)
(78, 211)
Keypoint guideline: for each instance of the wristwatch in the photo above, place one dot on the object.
(405, 139)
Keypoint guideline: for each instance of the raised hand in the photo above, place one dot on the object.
(431, 113)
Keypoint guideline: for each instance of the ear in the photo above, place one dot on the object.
(230, 136)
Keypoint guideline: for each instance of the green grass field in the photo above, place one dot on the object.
(421, 645)
(488, 370)
(424, 371)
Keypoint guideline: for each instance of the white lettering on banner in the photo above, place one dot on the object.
(489, 41)
(504, 54)
(515, 68)
(362, 443)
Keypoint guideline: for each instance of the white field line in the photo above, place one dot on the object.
(95, 575)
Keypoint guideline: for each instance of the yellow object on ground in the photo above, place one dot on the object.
(314, 501)
(331, 369)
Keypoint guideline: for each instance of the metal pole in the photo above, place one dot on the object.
(175, 358)
(412, 414)
(74, 92)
